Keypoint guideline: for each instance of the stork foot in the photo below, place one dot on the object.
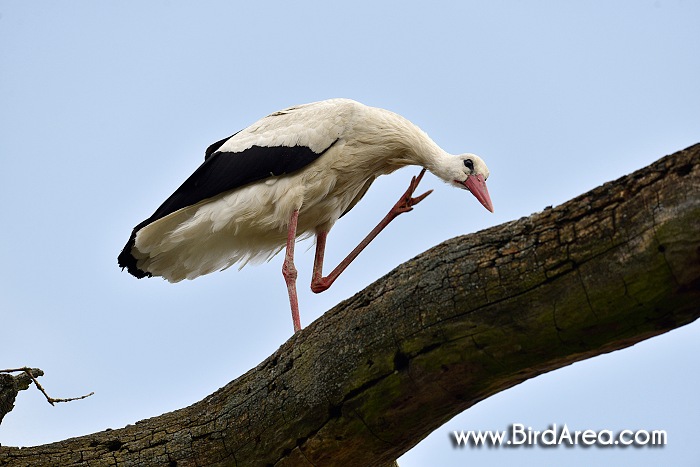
(406, 202)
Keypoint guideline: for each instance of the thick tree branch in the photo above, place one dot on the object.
(463, 321)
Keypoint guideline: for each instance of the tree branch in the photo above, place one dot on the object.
(11, 385)
(469, 318)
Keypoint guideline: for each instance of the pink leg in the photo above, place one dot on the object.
(404, 204)
(290, 272)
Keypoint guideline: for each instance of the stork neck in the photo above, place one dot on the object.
(417, 147)
(425, 152)
(430, 155)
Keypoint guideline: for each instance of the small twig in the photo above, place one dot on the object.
(15, 370)
(51, 400)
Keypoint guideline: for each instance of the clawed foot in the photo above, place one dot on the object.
(406, 202)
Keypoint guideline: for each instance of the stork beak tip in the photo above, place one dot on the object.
(477, 186)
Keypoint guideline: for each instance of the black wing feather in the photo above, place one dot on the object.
(211, 150)
(221, 172)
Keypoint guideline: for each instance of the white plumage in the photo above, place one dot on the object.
(331, 152)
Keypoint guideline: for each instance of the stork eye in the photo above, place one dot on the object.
(468, 163)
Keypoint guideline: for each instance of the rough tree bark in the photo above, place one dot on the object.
(10, 385)
(464, 320)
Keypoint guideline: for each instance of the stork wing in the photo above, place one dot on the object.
(278, 144)
(225, 171)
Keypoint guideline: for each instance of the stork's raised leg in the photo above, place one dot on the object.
(290, 272)
(404, 204)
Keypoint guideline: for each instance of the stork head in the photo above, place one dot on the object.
(467, 171)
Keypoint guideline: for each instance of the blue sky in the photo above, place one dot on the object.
(106, 107)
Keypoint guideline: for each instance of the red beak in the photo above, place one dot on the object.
(477, 185)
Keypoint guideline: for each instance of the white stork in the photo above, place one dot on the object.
(291, 174)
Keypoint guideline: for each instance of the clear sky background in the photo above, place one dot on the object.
(106, 107)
